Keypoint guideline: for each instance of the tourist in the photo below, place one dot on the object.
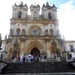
(32, 58)
(35, 58)
(45, 58)
(18, 58)
(24, 59)
(39, 58)
(13, 57)
(21, 58)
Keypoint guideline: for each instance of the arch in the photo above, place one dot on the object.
(35, 44)
(35, 51)
(23, 32)
(18, 31)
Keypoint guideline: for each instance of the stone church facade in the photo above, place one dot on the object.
(35, 33)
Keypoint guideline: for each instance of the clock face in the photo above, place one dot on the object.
(35, 32)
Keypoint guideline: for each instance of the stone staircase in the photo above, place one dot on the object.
(38, 67)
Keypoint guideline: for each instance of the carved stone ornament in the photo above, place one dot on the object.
(16, 43)
(54, 43)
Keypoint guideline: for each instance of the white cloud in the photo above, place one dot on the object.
(66, 16)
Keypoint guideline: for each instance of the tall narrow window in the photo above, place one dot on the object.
(71, 48)
(19, 15)
(58, 32)
(18, 31)
(51, 32)
(49, 15)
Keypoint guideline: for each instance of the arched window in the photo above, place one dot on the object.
(19, 15)
(18, 31)
(58, 32)
(46, 32)
(23, 32)
(49, 15)
(11, 31)
(51, 32)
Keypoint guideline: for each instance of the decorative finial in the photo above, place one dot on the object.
(25, 4)
(53, 5)
(15, 4)
(47, 4)
(43, 5)
(21, 4)
(5, 37)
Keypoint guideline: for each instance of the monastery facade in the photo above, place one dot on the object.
(36, 34)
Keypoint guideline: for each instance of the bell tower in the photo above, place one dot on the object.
(19, 11)
(49, 12)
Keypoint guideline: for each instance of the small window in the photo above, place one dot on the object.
(71, 48)
(19, 15)
(49, 15)
(51, 32)
(18, 31)
(69, 56)
(58, 32)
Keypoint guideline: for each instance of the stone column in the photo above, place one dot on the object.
(47, 50)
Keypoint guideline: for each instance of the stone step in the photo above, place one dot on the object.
(68, 73)
(38, 67)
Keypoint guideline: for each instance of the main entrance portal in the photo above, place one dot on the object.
(35, 51)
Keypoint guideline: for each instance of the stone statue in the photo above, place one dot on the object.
(16, 48)
(16, 43)
(54, 44)
(11, 32)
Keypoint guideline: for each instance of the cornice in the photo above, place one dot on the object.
(24, 21)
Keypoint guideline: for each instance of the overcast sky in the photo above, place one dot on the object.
(65, 12)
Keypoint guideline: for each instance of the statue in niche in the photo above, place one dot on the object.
(54, 44)
(46, 32)
(16, 43)
(23, 32)
(11, 32)
(16, 48)
(15, 53)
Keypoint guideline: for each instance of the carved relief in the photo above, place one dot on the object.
(54, 50)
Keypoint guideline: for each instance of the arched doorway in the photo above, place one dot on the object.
(35, 51)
